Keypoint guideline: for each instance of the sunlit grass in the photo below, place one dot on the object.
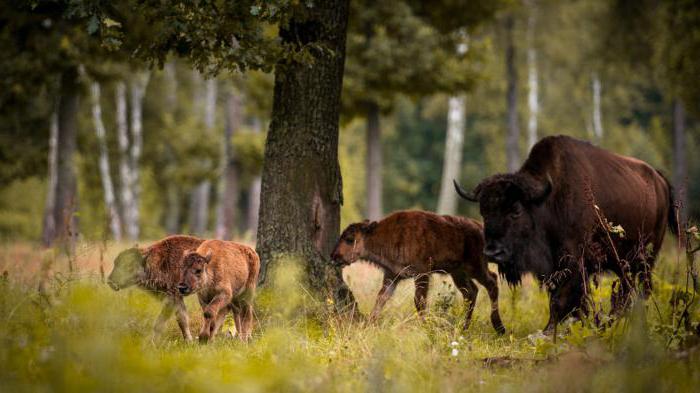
(76, 334)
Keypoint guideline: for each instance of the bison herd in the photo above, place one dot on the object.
(572, 210)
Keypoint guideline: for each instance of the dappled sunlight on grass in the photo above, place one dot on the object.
(78, 334)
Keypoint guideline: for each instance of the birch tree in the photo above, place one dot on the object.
(228, 183)
(597, 111)
(113, 217)
(513, 130)
(532, 77)
(125, 175)
(49, 227)
(137, 88)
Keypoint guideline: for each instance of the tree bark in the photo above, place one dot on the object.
(532, 77)
(597, 114)
(513, 136)
(126, 195)
(680, 165)
(66, 186)
(374, 163)
(228, 187)
(301, 181)
(138, 90)
(113, 218)
(447, 201)
(49, 229)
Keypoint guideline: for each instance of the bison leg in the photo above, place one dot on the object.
(566, 299)
(220, 318)
(490, 281)
(385, 293)
(211, 310)
(183, 320)
(469, 291)
(244, 321)
(422, 283)
(165, 314)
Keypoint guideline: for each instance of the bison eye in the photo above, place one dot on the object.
(198, 272)
(349, 240)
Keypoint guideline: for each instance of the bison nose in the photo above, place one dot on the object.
(494, 252)
(184, 289)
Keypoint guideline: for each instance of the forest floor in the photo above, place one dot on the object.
(71, 332)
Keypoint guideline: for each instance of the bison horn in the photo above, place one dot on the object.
(540, 193)
(470, 196)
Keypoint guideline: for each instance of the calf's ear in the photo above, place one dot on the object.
(369, 228)
(207, 258)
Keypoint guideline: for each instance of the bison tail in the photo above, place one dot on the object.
(673, 209)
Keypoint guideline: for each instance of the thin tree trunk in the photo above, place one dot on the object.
(172, 211)
(301, 181)
(374, 163)
(532, 77)
(200, 197)
(107, 186)
(66, 184)
(228, 187)
(597, 114)
(680, 165)
(125, 183)
(138, 90)
(254, 194)
(49, 230)
(513, 136)
(447, 201)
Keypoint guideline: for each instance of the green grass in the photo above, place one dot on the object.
(76, 334)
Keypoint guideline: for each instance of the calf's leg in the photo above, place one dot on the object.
(183, 320)
(489, 280)
(388, 287)
(165, 314)
(244, 320)
(211, 310)
(469, 292)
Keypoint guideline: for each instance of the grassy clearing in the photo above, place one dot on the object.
(77, 334)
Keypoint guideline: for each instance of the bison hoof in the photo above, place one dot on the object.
(203, 338)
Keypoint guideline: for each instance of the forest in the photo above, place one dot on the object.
(277, 124)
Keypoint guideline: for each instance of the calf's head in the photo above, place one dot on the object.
(129, 269)
(194, 271)
(510, 205)
(351, 244)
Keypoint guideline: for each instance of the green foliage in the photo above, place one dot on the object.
(78, 334)
(21, 208)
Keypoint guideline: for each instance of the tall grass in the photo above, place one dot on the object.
(76, 334)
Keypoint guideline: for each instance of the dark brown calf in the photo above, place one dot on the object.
(414, 244)
(224, 276)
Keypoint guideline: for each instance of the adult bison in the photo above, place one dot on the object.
(553, 218)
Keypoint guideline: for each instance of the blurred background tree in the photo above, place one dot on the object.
(618, 73)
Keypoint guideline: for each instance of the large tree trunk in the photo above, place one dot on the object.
(597, 114)
(513, 135)
(532, 77)
(49, 229)
(199, 207)
(113, 218)
(228, 187)
(138, 91)
(66, 186)
(301, 181)
(126, 196)
(374, 163)
(680, 165)
(447, 202)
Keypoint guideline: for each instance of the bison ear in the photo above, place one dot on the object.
(207, 258)
(540, 190)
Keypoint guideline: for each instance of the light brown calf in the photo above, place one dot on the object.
(224, 275)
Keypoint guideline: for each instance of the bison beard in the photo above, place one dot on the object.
(551, 219)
